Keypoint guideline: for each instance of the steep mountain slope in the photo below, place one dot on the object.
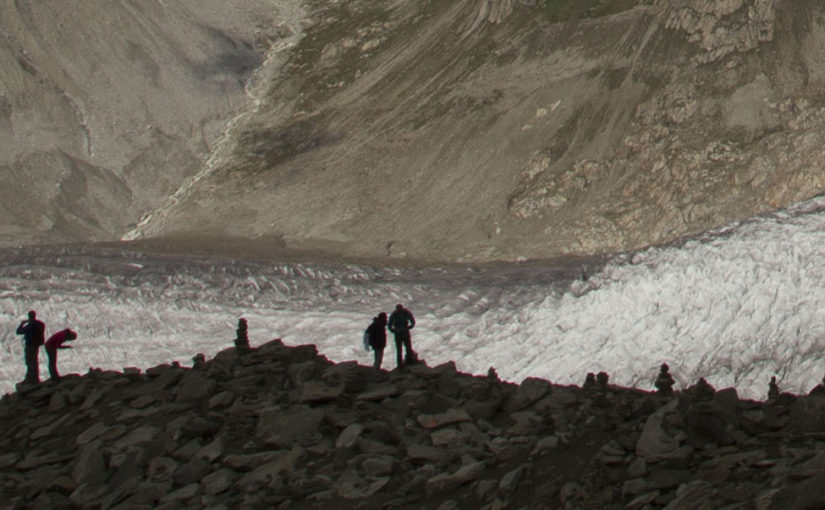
(470, 130)
(106, 107)
(495, 129)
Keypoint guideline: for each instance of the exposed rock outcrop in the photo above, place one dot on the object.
(503, 129)
(282, 425)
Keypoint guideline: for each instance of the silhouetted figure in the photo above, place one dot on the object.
(492, 375)
(54, 343)
(242, 337)
(773, 389)
(585, 276)
(33, 332)
(377, 339)
(664, 381)
(400, 323)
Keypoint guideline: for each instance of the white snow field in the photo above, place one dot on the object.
(735, 306)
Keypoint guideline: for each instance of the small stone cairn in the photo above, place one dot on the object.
(664, 381)
(590, 386)
(773, 389)
(602, 378)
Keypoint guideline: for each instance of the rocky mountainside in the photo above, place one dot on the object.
(502, 129)
(282, 427)
(470, 130)
(108, 107)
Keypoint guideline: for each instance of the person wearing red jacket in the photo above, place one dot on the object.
(54, 343)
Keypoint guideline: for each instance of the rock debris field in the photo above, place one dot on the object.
(283, 427)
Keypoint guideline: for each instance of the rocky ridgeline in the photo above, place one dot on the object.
(280, 426)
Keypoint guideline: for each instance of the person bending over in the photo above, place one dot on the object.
(54, 343)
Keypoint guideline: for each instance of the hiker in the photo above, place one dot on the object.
(33, 332)
(54, 343)
(377, 339)
(400, 323)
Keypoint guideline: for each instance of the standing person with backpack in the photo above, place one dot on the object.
(376, 337)
(34, 332)
(400, 323)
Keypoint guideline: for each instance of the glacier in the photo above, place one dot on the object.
(736, 306)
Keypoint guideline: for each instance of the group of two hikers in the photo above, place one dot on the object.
(34, 334)
(400, 322)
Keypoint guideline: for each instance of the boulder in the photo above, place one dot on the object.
(655, 443)
(248, 462)
(221, 400)
(351, 486)
(432, 421)
(379, 465)
(283, 464)
(425, 453)
(447, 481)
(300, 373)
(191, 472)
(530, 391)
(282, 427)
(380, 392)
(312, 392)
(695, 495)
(195, 385)
(348, 438)
(218, 481)
(808, 414)
(90, 467)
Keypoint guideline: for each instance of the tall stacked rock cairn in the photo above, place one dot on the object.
(242, 337)
(282, 427)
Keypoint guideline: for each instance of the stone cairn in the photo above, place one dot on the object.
(773, 389)
(242, 337)
(590, 386)
(283, 427)
(664, 381)
(602, 378)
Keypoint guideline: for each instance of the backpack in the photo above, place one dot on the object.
(367, 338)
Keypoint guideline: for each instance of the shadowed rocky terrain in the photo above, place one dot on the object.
(282, 427)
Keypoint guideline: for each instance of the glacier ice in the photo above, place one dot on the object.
(735, 306)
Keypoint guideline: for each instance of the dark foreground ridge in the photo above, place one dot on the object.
(282, 427)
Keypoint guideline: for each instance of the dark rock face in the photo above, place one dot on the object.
(282, 425)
